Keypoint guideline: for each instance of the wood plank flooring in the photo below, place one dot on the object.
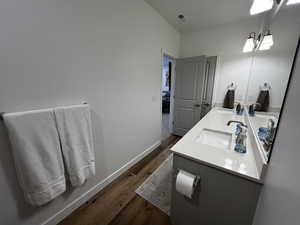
(118, 204)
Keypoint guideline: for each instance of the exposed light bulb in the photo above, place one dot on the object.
(259, 6)
(291, 2)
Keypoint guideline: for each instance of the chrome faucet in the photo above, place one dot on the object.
(236, 121)
(241, 136)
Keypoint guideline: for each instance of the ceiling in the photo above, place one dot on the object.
(201, 14)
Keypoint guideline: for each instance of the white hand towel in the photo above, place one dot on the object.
(37, 154)
(75, 131)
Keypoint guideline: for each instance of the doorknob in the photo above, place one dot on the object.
(197, 105)
(206, 104)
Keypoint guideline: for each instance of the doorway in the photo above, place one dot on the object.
(186, 93)
(166, 94)
(193, 92)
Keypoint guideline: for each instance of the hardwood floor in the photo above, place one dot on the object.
(118, 204)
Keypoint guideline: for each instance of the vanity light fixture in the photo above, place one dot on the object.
(264, 47)
(291, 2)
(259, 42)
(259, 6)
(250, 43)
(267, 42)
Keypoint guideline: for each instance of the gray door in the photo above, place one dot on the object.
(192, 84)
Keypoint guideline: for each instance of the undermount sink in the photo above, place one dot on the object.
(215, 138)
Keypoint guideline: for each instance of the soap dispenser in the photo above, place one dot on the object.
(240, 145)
(239, 109)
(252, 110)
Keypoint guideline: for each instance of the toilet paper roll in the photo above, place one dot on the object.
(185, 183)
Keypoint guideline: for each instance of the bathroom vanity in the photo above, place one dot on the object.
(214, 182)
(229, 182)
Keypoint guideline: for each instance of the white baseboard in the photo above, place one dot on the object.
(60, 215)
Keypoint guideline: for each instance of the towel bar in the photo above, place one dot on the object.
(2, 113)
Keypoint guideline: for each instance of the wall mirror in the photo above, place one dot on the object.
(269, 75)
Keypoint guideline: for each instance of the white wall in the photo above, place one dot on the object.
(106, 52)
(226, 42)
(280, 198)
(232, 68)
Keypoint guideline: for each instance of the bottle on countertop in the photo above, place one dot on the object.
(238, 109)
(251, 110)
(240, 145)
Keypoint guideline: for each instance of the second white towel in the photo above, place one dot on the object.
(75, 132)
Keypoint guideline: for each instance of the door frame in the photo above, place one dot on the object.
(173, 78)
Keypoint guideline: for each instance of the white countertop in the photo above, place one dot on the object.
(241, 164)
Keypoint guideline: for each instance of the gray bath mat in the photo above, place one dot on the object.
(157, 188)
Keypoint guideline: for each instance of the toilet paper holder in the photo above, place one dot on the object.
(197, 179)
